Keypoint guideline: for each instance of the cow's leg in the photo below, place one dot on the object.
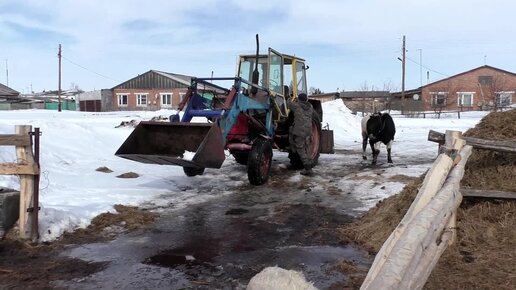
(375, 151)
(389, 145)
(364, 145)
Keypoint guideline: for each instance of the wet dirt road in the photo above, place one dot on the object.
(222, 243)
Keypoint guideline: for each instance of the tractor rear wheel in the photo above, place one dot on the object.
(259, 161)
(193, 171)
(313, 150)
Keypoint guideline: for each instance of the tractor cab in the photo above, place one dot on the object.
(280, 75)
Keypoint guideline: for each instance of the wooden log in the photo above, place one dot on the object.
(24, 154)
(433, 181)
(15, 140)
(435, 136)
(468, 192)
(427, 226)
(434, 252)
(501, 146)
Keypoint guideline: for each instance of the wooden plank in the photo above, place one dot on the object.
(15, 140)
(24, 153)
(467, 192)
(501, 146)
(18, 168)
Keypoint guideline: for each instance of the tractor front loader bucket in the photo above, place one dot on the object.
(174, 143)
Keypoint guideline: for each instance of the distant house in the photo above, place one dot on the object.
(152, 91)
(11, 100)
(95, 101)
(325, 97)
(366, 101)
(50, 100)
(6, 92)
(482, 88)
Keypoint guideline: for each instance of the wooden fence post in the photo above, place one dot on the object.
(24, 155)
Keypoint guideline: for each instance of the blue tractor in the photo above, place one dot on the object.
(249, 120)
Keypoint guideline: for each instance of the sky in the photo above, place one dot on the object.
(348, 45)
(74, 144)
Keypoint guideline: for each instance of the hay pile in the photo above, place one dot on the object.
(485, 252)
(488, 169)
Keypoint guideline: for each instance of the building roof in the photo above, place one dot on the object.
(418, 90)
(6, 91)
(364, 94)
(469, 71)
(155, 79)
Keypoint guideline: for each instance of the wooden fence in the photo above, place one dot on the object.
(27, 167)
(409, 255)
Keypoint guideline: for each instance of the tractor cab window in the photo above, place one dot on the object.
(275, 72)
(246, 68)
(301, 78)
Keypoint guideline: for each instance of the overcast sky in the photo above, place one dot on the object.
(348, 45)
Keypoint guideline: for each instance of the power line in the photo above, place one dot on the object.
(74, 63)
(426, 67)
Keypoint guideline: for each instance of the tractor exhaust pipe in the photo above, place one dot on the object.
(256, 74)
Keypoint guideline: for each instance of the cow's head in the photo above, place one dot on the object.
(374, 125)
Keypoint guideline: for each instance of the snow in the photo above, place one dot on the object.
(75, 144)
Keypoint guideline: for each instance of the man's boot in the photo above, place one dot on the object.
(307, 171)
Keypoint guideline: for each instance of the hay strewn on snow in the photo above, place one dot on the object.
(485, 252)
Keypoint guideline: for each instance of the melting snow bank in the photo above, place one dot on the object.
(346, 126)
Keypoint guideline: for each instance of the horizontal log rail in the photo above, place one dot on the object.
(500, 146)
(469, 192)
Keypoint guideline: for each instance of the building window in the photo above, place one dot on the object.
(504, 99)
(465, 99)
(166, 99)
(485, 80)
(439, 99)
(122, 100)
(141, 100)
(181, 96)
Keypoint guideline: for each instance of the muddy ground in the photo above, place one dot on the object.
(290, 222)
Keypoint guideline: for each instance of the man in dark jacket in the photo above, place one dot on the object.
(301, 130)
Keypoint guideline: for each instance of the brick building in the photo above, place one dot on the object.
(151, 91)
(482, 88)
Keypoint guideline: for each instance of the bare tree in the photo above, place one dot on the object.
(315, 91)
(497, 91)
(75, 87)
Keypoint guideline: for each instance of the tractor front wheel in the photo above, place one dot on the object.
(259, 161)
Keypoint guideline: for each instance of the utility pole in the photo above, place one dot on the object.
(6, 73)
(59, 86)
(403, 77)
(420, 67)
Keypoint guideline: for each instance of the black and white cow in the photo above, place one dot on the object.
(378, 127)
